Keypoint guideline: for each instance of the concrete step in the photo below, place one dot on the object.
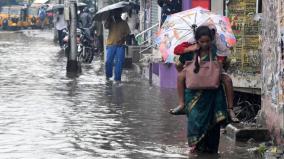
(139, 48)
(134, 52)
(128, 63)
(242, 132)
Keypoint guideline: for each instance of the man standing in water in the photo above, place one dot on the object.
(118, 31)
(60, 25)
(42, 16)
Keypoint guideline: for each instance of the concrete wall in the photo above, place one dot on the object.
(273, 68)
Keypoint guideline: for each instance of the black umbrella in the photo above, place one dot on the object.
(104, 12)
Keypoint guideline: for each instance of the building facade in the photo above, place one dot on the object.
(273, 68)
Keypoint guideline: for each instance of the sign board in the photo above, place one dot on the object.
(246, 54)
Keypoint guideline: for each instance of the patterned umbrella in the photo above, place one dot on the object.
(178, 28)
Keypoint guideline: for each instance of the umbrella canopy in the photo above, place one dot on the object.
(178, 28)
(104, 12)
(61, 6)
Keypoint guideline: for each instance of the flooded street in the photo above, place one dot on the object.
(44, 114)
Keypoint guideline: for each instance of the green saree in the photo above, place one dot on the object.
(205, 110)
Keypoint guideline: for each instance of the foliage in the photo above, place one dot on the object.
(262, 149)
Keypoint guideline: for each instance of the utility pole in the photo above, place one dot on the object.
(73, 65)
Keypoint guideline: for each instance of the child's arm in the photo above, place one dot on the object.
(221, 59)
(185, 48)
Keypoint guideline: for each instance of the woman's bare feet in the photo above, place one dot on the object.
(179, 110)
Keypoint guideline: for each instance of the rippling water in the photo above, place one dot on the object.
(43, 114)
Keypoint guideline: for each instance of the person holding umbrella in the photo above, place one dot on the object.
(118, 28)
(199, 37)
(206, 109)
(118, 31)
(178, 29)
(182, 50)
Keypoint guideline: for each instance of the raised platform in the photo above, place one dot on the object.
(246, 82)
(241, 132)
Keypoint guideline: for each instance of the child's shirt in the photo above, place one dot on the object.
(182, 57)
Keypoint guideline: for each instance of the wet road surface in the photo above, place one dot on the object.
(44, 114)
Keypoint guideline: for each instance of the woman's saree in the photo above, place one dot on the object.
(205, 110)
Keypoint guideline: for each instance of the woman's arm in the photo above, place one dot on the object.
(221, 59)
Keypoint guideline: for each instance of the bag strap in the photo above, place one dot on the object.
(210, 57)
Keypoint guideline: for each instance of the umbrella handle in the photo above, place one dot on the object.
(194, 26)
(107, 23)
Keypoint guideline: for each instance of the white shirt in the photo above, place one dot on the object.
(60, 22)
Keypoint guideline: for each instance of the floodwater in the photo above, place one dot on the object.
(45, 115)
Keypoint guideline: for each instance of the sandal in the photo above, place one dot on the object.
(177, 111)
(232, 116)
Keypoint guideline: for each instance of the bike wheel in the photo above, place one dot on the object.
(92, 54)
(89, 55)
